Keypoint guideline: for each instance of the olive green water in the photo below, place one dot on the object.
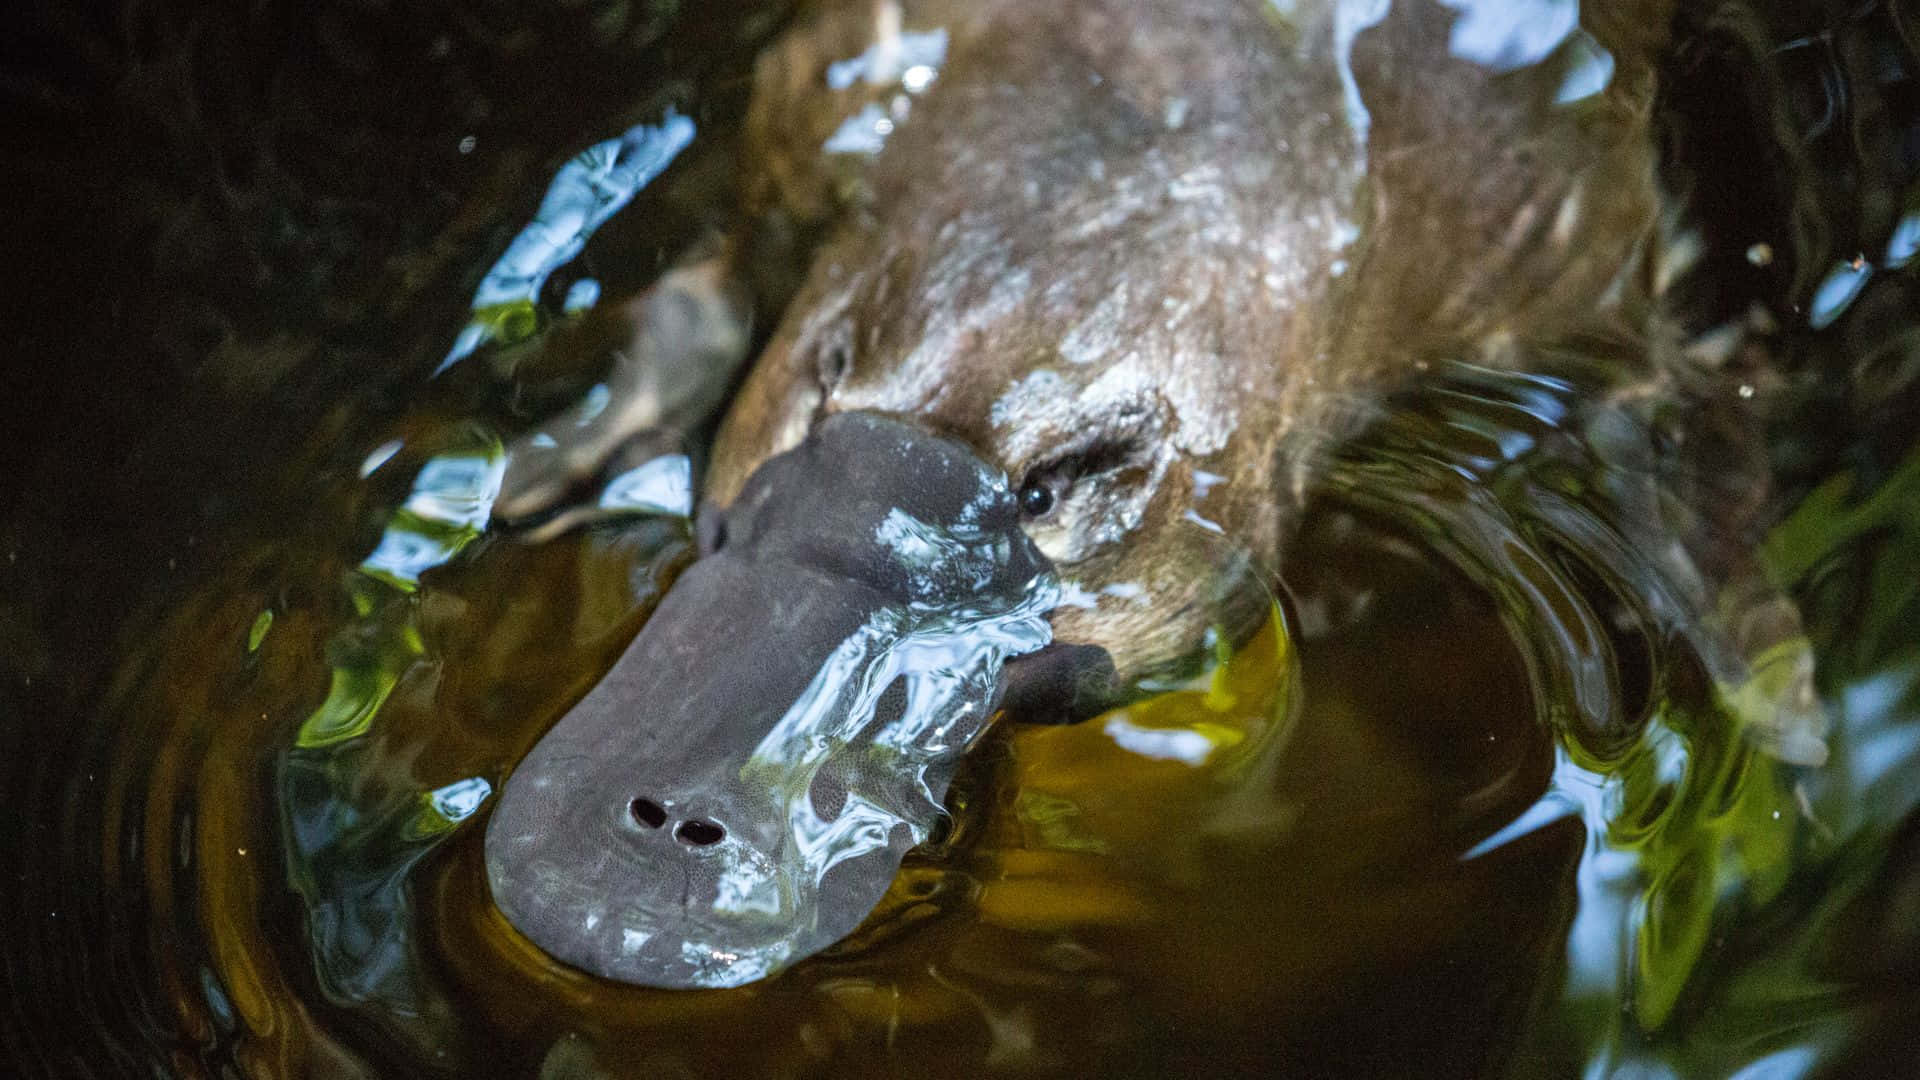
(248, 771)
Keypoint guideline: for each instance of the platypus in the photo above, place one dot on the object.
(806, 691)
(1103, 279)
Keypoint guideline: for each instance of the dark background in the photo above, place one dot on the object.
(240, 234)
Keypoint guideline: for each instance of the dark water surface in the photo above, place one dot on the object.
(1473, 803)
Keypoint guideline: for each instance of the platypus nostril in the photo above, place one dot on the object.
(648, 813)
(700, 833)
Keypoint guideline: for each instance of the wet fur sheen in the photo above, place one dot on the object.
(1145, 242)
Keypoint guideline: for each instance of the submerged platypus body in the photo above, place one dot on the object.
(1121, 272)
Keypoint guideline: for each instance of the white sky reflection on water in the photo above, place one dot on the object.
(894, 776)
(451, 503)
(663, 485)
(589, 189)
(1506, 35)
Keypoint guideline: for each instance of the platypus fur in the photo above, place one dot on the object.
(1152, 260)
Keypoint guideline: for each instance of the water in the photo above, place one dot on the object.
(1480, 798)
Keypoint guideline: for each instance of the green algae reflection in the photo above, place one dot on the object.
(450, 505)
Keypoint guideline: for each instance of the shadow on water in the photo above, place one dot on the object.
(1489, 791)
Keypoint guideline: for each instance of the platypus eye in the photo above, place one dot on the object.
(1036, 499)
(1047, 486)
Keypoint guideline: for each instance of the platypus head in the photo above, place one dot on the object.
(739, 790)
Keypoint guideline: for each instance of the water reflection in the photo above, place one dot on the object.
(1506, 35)
(908, 59)
(663, 485)
(1837, 290)
(449, 507)
(588, 190)
(1679, 755)
(451, 503)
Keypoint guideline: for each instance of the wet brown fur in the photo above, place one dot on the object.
(1135, 211)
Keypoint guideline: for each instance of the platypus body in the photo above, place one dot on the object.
(1103, 279)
